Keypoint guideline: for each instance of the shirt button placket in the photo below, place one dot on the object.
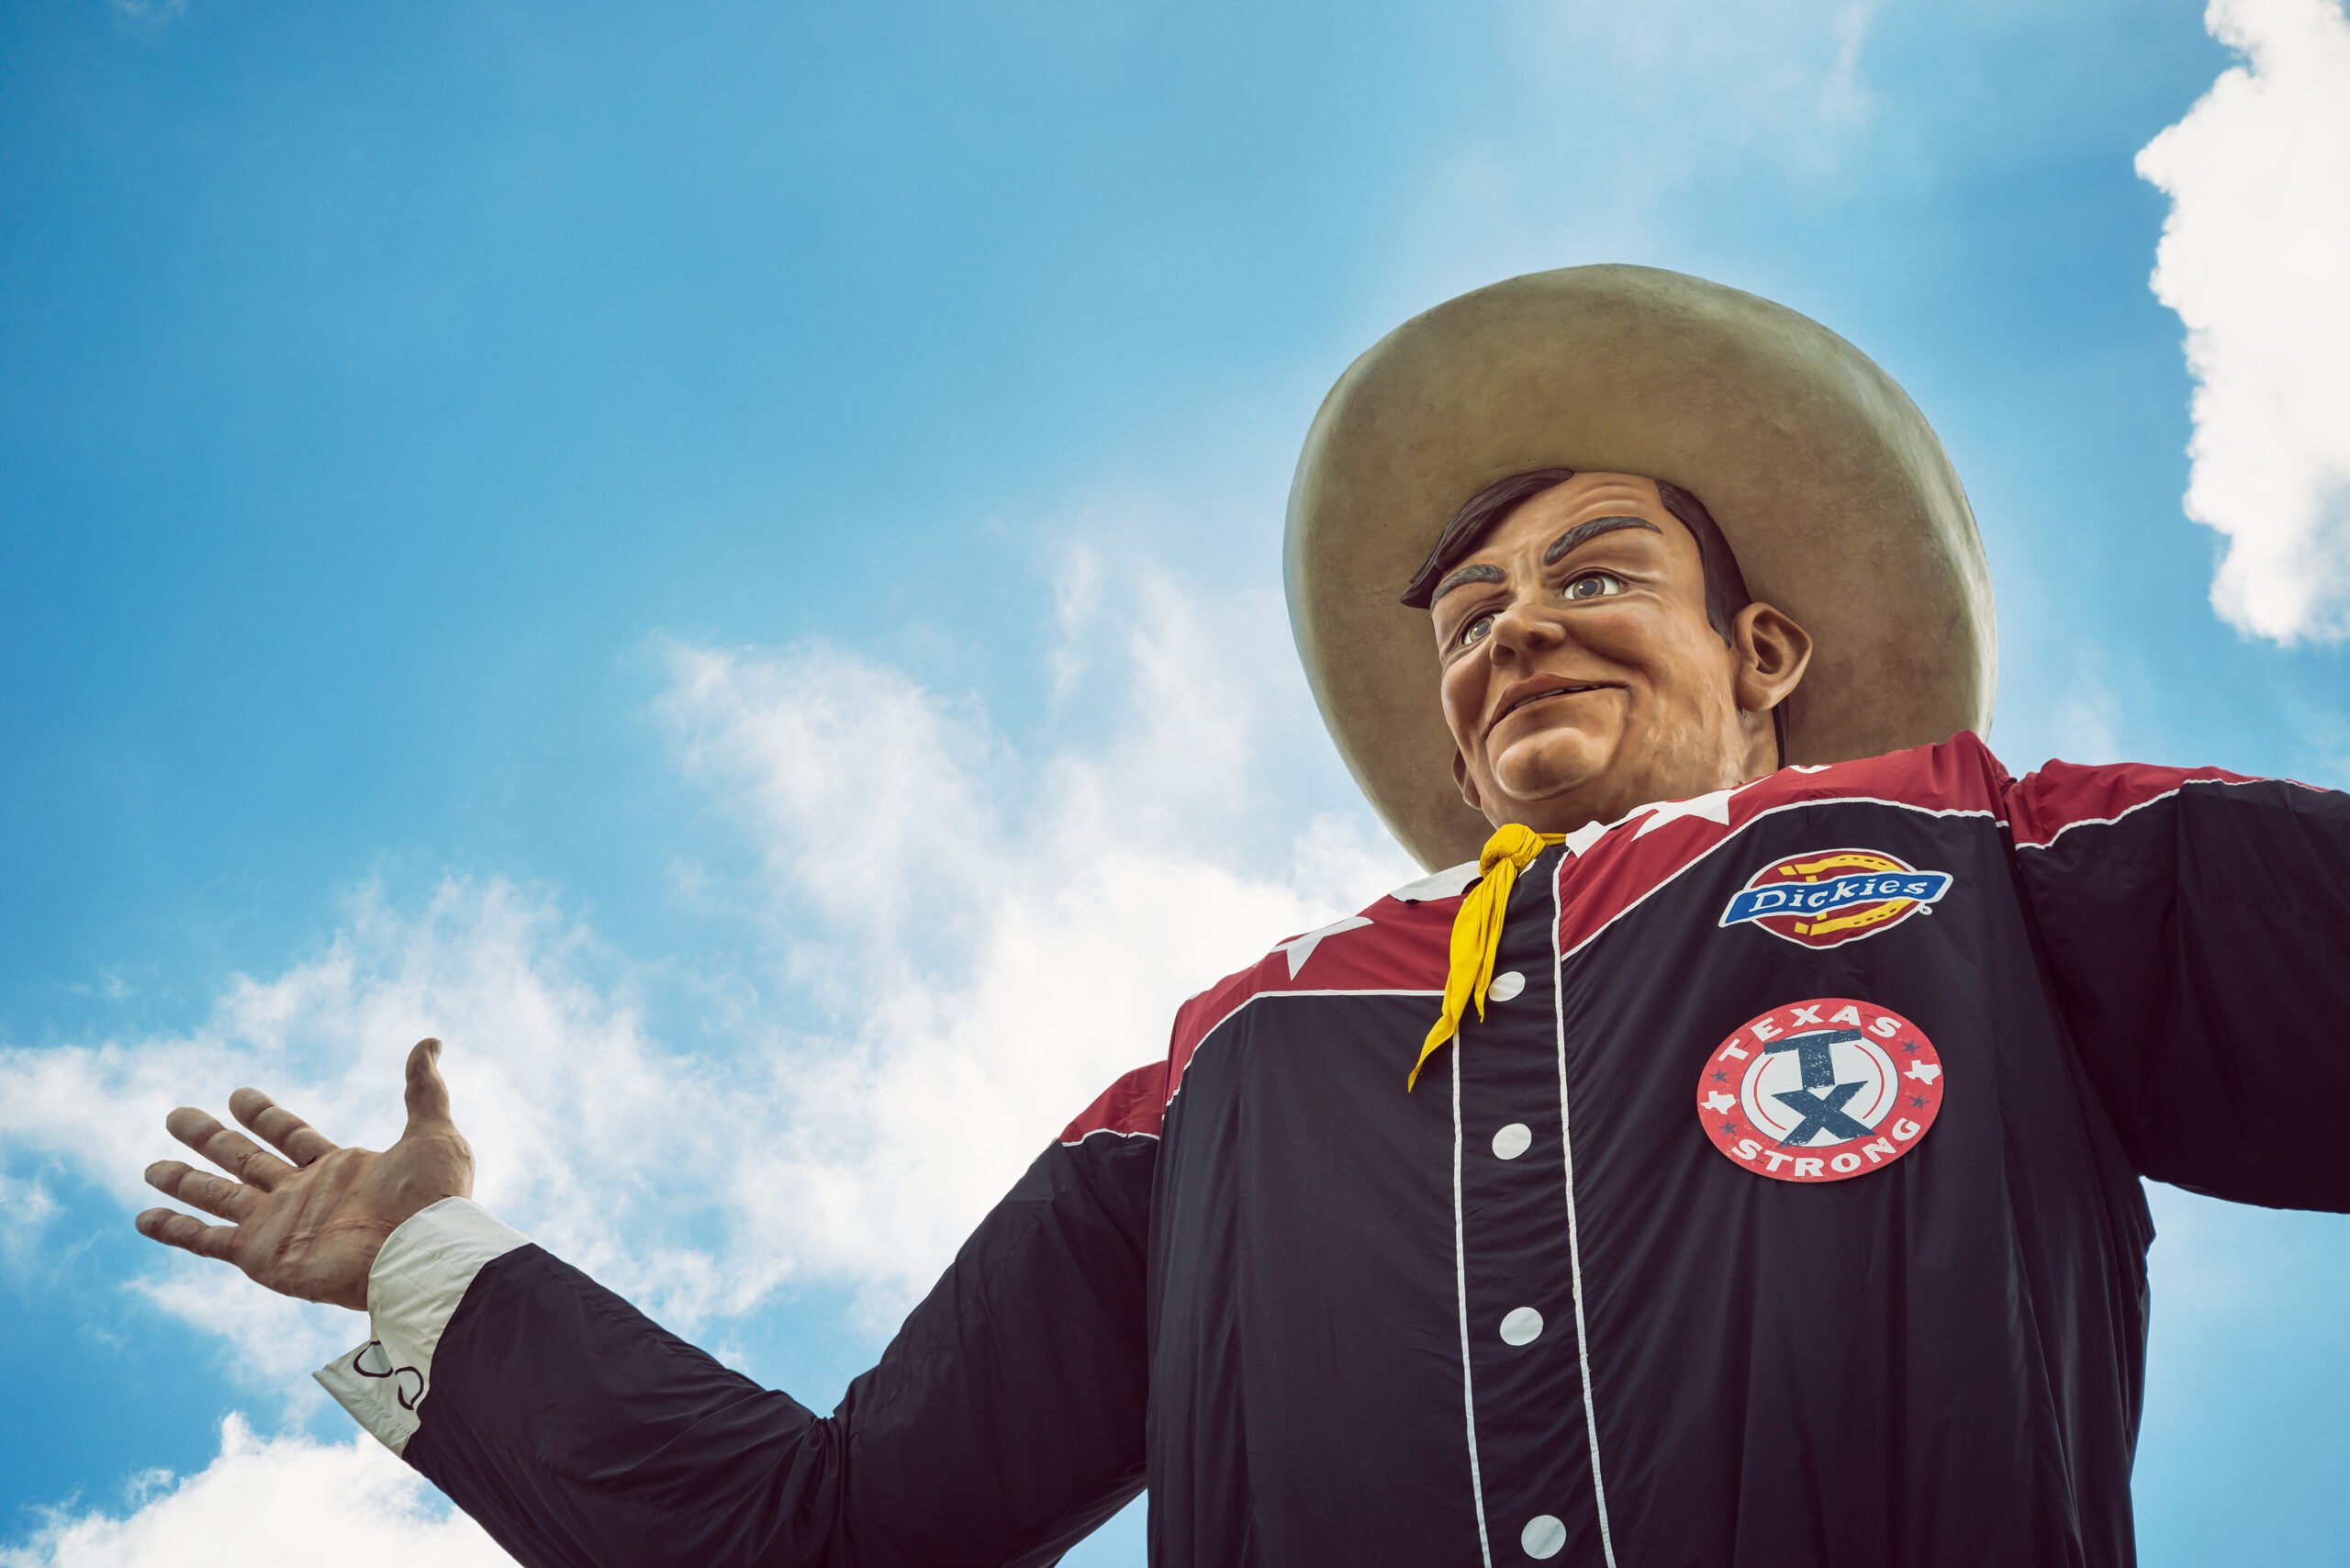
(1541, 1536)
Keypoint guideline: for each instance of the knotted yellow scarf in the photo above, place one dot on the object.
(1477, 932)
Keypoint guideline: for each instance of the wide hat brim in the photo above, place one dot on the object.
(1835, 495)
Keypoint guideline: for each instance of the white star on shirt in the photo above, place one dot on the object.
(1584, 837)
(1719, 1102)
(1441, 884)
(1713, 807)
(1301, 948)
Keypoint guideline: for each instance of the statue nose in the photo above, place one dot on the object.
(1521, 628)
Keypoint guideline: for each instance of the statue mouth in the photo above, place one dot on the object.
(1526, 693)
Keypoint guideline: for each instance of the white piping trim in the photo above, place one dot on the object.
(1237, 1008)
(2150, 801)
(1113, 1132)
(1726, 839)
(1460, 1288)
(1574, 1239)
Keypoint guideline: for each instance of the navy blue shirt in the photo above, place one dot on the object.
(1783, 1208)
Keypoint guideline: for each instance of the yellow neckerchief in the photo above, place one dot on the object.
(1477, 932)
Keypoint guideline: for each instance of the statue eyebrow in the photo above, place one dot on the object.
(1582, 533)
(1477, 574)
(1574, 538)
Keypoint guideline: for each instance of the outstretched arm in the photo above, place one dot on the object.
(1004, 1422)
(2196, 925)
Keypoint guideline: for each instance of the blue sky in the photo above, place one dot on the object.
(506, 508)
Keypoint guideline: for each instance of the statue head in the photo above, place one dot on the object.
(1596, 649)
(1560, 404)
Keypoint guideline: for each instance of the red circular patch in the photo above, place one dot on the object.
(1821, 1091)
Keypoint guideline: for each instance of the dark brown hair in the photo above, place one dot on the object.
(1726, 592)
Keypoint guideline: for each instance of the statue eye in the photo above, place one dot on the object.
(1594, 585)
(1475, 631)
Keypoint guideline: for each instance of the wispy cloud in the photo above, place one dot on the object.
(148, 13)
(2252, 258)
(110, 986)
(997, 937)
(554, 1058)
(1683, 89)
(1781, 72)
(971, 943)
(288, 1499)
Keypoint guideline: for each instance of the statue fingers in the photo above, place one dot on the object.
(289, 1134)
(232, 1151)
(201, 1189)
(187, 1233)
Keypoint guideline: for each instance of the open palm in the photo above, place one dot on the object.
(308, 1224)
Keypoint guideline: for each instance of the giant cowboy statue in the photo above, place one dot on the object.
(1732, 1156)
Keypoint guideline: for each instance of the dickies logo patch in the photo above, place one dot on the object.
(1828, 897)
(1821, 1091)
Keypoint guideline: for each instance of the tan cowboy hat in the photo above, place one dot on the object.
(1840, 504)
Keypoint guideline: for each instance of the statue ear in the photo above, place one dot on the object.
(1468, 785)
(1771, 652)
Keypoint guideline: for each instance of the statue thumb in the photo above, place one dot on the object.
(428, 1095)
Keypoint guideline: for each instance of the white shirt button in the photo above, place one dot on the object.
(1543, 1536)
(1513, 1140)
(1505, 985)
(1521, 1327)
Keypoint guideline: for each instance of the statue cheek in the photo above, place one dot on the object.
(1460, 690)
(1631, 633)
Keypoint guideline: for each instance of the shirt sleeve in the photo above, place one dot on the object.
(1004, 1422)
(2196, 928)
(418, 1280)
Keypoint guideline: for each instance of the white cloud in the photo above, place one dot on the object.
(551, 1063)
(1784, 72)
(1000, 936)
(2252, 258)
(1599, 120)
(284, 1500)
(972, 938)
(25, 1209)
(973, 943)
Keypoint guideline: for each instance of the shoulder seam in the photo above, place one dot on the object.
(1241, 1006)
(1111, 1132)
(2050, 841)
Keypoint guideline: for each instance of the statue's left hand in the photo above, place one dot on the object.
(309, 1224)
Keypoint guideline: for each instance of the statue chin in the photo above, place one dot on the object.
(1544, 767)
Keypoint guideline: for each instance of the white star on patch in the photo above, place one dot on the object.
(1719, 1102)
(1301, 948)
(1924, 1073)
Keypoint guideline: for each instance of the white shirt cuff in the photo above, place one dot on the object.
(416, 1282)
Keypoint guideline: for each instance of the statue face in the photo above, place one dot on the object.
(1580, 676)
